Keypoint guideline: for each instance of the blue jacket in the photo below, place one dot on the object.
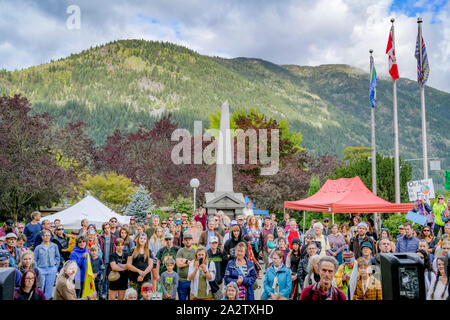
(232, 274)
(405, 244)
(284, 282)
(13, 260)
(77, 256)
(44, 257)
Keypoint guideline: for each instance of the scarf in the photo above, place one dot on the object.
(332, 294)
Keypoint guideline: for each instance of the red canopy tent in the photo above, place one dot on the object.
(347, 195)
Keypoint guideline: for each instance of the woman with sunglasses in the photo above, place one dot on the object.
(427, 234)
(438, 208)
(28, 289)
(80, 254)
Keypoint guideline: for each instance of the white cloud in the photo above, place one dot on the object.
(309, 32)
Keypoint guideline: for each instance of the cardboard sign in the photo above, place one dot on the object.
(416, 218)
(421, 189)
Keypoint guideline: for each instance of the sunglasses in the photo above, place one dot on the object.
(146, 289)
(59, 229)
(81, 241)
(164, 222)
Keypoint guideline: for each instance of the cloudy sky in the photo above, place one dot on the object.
(302, 32)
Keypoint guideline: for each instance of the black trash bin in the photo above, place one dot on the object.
(402, 276)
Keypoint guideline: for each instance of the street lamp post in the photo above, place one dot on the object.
(194, 185)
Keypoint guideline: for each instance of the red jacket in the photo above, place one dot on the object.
(309, 293)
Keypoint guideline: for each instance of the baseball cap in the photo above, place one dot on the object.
(326, 219)
(233, 223)
(132, 218)
(213, 239)
(184, 215)
(11, 235)
(168, 236)
(240, 217)
(145, 221)
(441, 196)
(9, 222)
(187, 236)
(2, 238)
(4, 255)
(267, 218)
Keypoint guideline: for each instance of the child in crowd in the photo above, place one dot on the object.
(271, 245)
(21, 240)
(147, 291)
(130, 294)
(169, 280)
(98, 267)
(231, 292)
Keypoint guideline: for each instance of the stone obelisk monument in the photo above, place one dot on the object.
(224, 198)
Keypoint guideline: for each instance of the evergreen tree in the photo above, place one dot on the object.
(140, 203)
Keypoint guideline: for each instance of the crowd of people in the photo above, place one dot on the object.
(217, 258)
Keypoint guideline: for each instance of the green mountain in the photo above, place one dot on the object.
(129, 82)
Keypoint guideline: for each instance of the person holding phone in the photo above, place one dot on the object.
(201, 271)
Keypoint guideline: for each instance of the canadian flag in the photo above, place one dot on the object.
(393, 70)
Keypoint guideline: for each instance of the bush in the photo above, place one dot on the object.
(183, 205)
(393, 222)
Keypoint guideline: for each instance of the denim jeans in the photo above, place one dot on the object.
(48, 280)
(184, 290)
(104, 286)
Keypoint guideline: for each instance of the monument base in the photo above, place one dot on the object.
(230, 203)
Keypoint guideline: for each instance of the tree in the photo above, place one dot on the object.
(353, 154)
(30, 173)
(112, 189)
(385, 176)
(140, 204)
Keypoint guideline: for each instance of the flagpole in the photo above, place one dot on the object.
(422, 103)
(396, 156)
(374, 160)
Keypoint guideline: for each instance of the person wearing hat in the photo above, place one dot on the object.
(360, 237)
(438, 208)
(4, 263)
(207, 234)
(184, 257)
(10, 246)
(132, 228)
(168, 251)
(424, 209)
(344, 274)
(367, 252)
(216, 255)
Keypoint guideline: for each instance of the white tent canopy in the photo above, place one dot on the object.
(88, 208)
